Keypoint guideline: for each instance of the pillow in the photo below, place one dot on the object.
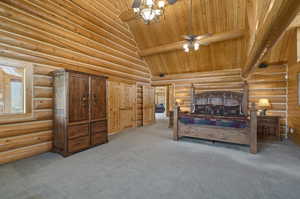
(218, 110)
(232, 110)
(200, 109)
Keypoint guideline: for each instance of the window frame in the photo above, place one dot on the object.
(28, 95)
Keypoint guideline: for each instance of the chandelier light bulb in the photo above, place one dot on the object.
(161, 4)
(148, 14)
(149, 10)
(149, 3)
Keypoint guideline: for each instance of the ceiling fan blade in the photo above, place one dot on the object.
(186, 37)
(203, 36)
(172, 1)
(136, 3)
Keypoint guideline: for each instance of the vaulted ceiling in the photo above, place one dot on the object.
(209, 16)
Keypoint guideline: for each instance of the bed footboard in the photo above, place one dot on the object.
(247, 136)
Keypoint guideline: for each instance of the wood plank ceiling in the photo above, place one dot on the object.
(209, 16)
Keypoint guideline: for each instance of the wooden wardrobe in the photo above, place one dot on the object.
(80, 111)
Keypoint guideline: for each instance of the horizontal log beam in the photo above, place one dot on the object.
(219, 37)
(197, 75)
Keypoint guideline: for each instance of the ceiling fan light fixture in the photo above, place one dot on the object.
(186, 50)
(196, 46)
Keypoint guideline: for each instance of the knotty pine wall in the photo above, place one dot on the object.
(25, 139)
(268, 83)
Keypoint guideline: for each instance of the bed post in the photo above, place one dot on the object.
(253, 129)
(246, 99)
(175, 127)
(193, 97)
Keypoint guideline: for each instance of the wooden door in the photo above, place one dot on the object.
(148, 105)
(78, 97)
(113, 106)
(98, 98)
(139, 105)
(127, 106)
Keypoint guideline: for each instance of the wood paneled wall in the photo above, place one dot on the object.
(25, 139)
(72, 35)
(271, 83)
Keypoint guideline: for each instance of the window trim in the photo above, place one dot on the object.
(28, 96)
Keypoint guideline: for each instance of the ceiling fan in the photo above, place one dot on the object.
(150, 10)
(192, 41)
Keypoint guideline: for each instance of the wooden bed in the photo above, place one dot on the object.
(238, 129)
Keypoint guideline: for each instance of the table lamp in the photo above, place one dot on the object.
(264, 104)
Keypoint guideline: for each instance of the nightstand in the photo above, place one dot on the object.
(268, 128)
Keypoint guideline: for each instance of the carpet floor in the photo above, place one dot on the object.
(145, 163)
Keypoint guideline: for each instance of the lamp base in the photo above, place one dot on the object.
(263, 112)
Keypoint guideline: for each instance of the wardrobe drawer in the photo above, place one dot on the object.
(99, 126)
(99, 138)
(78, 131)
(79, 144)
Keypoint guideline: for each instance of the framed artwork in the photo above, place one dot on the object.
(299, 89)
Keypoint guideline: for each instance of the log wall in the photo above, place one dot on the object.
(25, 139)
(62, 34)
(72, 35)
(271, 83)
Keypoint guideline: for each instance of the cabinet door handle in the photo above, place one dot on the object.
(95, 98)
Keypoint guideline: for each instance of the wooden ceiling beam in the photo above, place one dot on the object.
(235, 34)
(278, 18)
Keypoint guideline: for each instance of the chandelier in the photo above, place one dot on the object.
(149, 10)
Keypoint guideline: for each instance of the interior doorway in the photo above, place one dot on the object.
(163, 102)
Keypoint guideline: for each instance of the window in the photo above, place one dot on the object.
(15, 92)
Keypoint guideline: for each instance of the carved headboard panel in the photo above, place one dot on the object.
(222, 103)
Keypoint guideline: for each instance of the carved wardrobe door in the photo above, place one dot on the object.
(78, 97)
(98, 110)
(78, 126)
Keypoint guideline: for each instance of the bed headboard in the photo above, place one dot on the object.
(222, 103)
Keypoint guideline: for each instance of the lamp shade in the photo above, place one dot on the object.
(264, 103)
